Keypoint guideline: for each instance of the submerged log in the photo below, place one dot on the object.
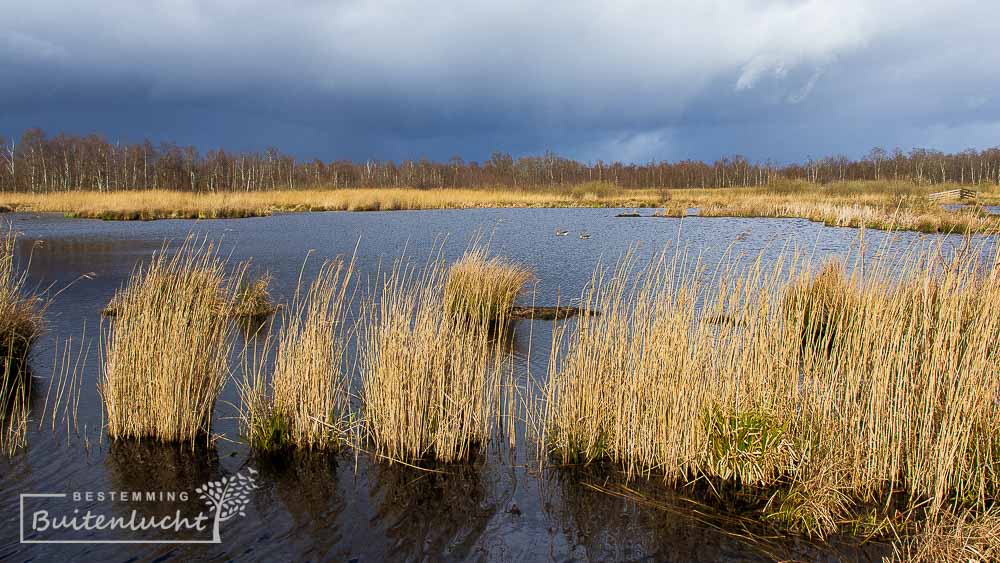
(548, 313)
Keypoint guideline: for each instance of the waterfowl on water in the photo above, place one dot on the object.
(584, 235)
(561, 232)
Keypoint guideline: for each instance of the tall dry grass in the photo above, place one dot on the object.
(435, 385)
(953, 538)
(887, 205)
(20, 326)
(482, 288)
(305, 403)
(249, 303)
(20, 314)
(163, 204)
(826, 390)
(921, 217)
(167, 349)
(893, 205)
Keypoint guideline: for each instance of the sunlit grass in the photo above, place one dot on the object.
(883, 205)
(834, 388)
(305, 402)
(887, 205)
(482, 288)
(436, 385)
(20, 326)
(252, 299)
(953, 536)
(167, 348)
(161, 204)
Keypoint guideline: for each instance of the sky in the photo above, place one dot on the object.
(624, 80)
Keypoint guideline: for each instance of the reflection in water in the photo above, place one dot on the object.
(306, 485)
(50, 258)
(17, 395)
(149, 465)
(613, 526)
(161, 468)
(611, 517)
(434, 513)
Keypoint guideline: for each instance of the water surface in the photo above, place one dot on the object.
(503, 507)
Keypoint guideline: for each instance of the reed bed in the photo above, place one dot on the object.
(922, 218)
(164, 204)
(482, 288)
(306, 402)
(435, 384)
(887, 205)
(20, 326)
(890, 205)
(167, 349)
(831, 390)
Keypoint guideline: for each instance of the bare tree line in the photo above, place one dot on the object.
(38, 163)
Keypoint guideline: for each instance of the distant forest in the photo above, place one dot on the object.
(38, 163)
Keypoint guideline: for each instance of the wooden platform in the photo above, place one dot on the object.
(960, 194)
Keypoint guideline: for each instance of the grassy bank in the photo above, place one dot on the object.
(881, 205)
(481, 289)
(834, 399)
(876, 205)
(181, 205)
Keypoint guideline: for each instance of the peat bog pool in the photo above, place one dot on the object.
(504, 507)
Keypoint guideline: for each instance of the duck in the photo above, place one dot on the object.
(584, 235)
(561, 232)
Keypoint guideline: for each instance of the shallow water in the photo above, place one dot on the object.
(346, 508)
(994, 209)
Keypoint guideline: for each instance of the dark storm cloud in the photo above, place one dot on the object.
(780, 79)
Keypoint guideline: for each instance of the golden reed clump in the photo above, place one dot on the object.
(435, 384)
(886, 373)
(20, 314)
(482, 288)
(306, 401)
(167, 348)
(20, 326)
